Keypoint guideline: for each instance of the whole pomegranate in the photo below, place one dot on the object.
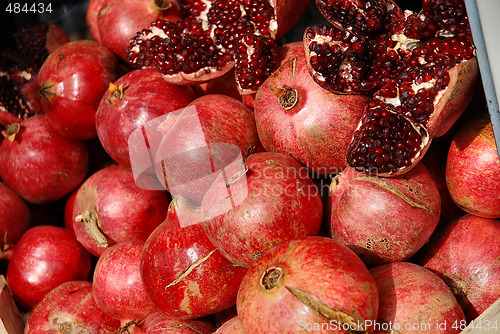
(414, 300)
(419, 67)
(45, 257)
(383, 219)
(38, 163)
(70, 308)
(252, 206)
(472, 168)
(117, 285)
(465, 253)
(183, 273)
(14, 215)
(110, 208)
(296, 117)
(131, 101)
(200, 140)
(215, 36)
(312, 284)
(71, 82)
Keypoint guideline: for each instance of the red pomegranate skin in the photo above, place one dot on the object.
(145, 96)
(383, 219)
(415, 300)
(211, 133)
(117, 285)
(314, 126)
(273, 201)
(70, 308)
(465, 253)
(109, 208)
(472, 168)
(185, 276)
(161, 323)
(91, 17)
(14, 215)
(39, 164)
(45, 257)
(72, 81)
(307, 284)
(119, 20)
(436, 165)
(68, 210)
(232, 326)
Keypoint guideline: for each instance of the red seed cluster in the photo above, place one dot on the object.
(190, 47)
(386, 142)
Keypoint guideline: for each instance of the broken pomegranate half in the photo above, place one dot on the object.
(216, 36)
(420, 68)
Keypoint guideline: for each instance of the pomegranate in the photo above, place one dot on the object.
(472, 168)
(38, 163)
(312, 284)
(252, 206)
(383, 219)
(70, 308)
(161, 323)
(19, 69)
(414, 300)
(296, 117)
(119, 20)
(129, 103)
(420, 68)
(436, 165)
(72, 81)
(14, 215)
(185, 276)
(232, 326)
(109, 208)
(91, 17)
(117, 285)
(44, 257)
(216, 36)
(200, 140)
(464, 253)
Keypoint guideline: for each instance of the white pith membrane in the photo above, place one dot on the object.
(207, 26)
(344, 67)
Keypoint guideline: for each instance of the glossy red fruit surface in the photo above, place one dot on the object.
(184, 274)
(253, 206)
(72, 80)
(415, 300)
(14, 215)
(70, 308)
(383, 219)
(45, 257)
(464, 253)
(39, 164)
(472, 168)
(110, 208)
(314, 284)
(130, 102)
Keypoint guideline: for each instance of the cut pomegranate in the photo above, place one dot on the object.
(216, 36)
(421, 66)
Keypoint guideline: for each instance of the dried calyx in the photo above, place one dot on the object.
(407, 61)
(213, 37)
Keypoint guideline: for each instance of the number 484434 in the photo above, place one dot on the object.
(18, 8)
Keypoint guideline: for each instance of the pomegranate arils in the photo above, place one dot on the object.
(386, 141)
(413, 63)
(210, 39)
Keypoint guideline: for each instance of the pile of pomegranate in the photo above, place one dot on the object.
(191, 169)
